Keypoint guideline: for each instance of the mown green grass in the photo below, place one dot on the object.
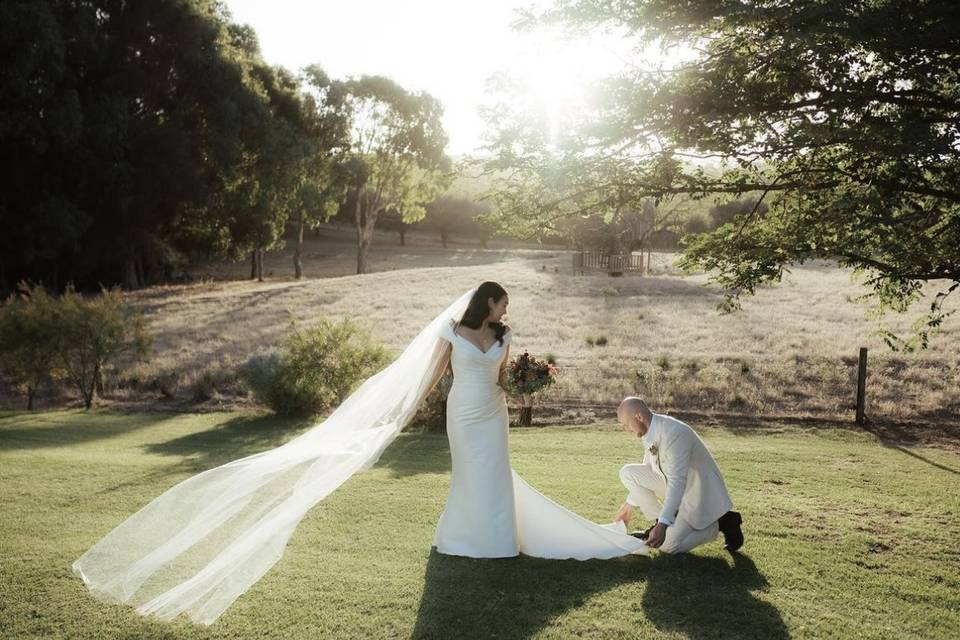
(847, 537)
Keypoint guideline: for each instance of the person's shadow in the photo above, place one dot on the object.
(510, 597)
(704, 597)
(700, 597)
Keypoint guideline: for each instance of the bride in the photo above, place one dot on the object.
(491, 512)
(197, 547)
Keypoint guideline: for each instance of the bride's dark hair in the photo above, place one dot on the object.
(477, 308)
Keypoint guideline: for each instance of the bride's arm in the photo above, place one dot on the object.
(442, 369)
(503, 366)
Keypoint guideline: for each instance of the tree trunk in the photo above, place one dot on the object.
(443, 239)
(298, 253)
(365, 215)
(259, 265)
(85, 391)
(526, 411)
(30, 393)
(129, 278)
(403, 237)
(141, 273)
(253, 264)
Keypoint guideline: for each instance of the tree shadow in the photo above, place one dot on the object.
(63, 428)
(415, 453)
(235, 438)
(706, 597)
(509, 598)
(891, 433)
(930, 462)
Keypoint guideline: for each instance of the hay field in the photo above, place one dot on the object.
(790, 352)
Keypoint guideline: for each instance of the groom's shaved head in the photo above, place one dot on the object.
(634, 414)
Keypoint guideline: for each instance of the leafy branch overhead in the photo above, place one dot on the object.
(843, 127)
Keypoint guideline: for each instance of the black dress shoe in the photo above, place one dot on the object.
(730, 527)
(643, 535)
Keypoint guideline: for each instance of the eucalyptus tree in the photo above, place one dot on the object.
(397, 158)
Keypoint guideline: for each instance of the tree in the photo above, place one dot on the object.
(450, 214)
(134, 136)
(846, 128)
(398, 152)
(93, 334)
(28, 339)
(325, 129)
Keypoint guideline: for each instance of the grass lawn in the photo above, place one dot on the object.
(847, 537)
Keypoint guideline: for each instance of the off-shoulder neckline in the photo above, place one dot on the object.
(496, 343)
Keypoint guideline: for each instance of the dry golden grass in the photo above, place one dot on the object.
(791, 351)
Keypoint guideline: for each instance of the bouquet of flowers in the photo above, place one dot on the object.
(524, 376)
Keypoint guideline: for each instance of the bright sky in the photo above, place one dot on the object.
(448, 48)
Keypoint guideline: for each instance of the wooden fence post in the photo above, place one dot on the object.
(861, 384)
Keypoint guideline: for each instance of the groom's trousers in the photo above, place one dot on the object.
(647, 488)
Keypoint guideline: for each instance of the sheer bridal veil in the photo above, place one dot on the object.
(195, 548)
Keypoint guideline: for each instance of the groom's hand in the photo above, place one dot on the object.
(657, 535)
(626, 510)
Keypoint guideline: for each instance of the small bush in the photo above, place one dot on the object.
(315, 368)
(93, 333)
(600, 341)
(692, 366)
(590, 341)
(663, 361)
(28, 340)
(551, 358)
(78, 338)
(204, 387)
(260, 372)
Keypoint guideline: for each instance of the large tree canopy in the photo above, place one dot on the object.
(842, 117)
(133, 134)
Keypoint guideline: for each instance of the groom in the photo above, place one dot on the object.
(677, 468)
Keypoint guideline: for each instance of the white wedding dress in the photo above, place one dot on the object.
(490, 511)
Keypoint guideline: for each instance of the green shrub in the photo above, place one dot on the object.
(77, 338)
(28, 340)
(314, 369)
(93, 335)
(600, 341)
(663, 361)
(260, 372)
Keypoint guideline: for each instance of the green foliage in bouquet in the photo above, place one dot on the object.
(526, 374)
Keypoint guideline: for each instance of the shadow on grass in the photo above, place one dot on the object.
(705, 597)
(415, 453)
(510, 597)
(235, 438)
(891, 433)
(60, 428)
(930, 462)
